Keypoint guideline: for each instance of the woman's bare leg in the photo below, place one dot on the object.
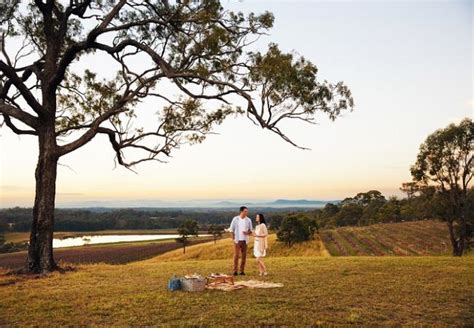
(259, 265)
(264, 268)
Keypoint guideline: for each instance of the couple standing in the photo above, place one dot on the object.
(241, 228)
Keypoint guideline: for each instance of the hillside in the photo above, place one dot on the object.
(318, 289)
(399, 239)
(223, 250)
(365, 291)
(406, 238)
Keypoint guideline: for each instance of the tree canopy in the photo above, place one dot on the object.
(446, 162)
(199, 48)
(187, 229)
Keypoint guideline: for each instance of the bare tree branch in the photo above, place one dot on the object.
(20, 115)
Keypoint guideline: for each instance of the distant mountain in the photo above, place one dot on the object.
(148, 203)
(299, 202)
(277, 203)
(228, 203)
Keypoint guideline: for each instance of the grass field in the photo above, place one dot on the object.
(318, 290)
(402, 239)
(222, 249)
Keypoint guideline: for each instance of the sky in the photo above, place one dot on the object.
(409, 65)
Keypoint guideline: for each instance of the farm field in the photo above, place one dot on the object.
(119, 253)
(401, 239)
(397, 239)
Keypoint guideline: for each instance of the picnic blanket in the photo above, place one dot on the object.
(227, 287)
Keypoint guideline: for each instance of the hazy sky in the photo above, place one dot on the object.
(408, 64)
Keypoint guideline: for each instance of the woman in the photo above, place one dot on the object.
(261, 244)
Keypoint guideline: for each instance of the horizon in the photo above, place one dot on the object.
(191, 203)
(408, 74)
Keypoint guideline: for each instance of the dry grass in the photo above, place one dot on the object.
(223, 249)
(318, 290)
(330, 291)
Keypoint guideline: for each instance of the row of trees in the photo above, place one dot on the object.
(115, 219)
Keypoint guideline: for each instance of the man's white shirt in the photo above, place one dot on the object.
(238, 226)
(242, 227)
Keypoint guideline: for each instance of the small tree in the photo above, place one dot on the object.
(216, 231)
(187, 229)
(445, 161)
(295, 228)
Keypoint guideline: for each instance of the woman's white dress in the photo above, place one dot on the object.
(260, 244)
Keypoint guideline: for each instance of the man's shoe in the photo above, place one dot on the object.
(235, 273)
(242, 273)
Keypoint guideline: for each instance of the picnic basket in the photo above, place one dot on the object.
(193, 283)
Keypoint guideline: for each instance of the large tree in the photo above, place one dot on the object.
(193, 58)
(446, 162)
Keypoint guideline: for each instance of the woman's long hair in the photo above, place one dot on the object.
(262, 218)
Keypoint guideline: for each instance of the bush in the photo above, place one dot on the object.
(296, 228)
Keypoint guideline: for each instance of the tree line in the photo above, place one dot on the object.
(18, 219)
(440, 189)
(113, 219)
(368, 208)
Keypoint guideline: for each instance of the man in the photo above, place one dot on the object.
(241, 228)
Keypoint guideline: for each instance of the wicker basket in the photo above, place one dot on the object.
(194, 284)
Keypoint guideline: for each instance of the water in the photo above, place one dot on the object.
(105, 239)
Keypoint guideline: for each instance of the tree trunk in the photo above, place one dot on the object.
(462, 222)
(457, 251)
(40, 249)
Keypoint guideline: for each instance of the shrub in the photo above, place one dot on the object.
(296, 228)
